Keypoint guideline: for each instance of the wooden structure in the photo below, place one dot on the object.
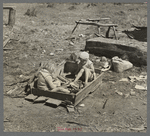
(99, 25)
(12, 14)
(71, 98)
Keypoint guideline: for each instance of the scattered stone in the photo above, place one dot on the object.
(120, 93)
(124, 79)
(132, 92)
(51, 54)
(59, 49)
(140, 87)
(126, 95)
(120, 65)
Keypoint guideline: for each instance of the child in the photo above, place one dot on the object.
(85, 69)
(47, 78)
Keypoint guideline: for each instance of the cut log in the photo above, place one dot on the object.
(110, 48)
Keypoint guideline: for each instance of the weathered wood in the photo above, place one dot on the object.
(53, 102)
(54, 95)
(115, 33)
(5, 42)
(90, 88)
(97, 19)
(110, 48)
(31, 97)
(12, 14)
(96, 24)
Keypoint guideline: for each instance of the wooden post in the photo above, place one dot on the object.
(12, 14)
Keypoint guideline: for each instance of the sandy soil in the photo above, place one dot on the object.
(33, 38)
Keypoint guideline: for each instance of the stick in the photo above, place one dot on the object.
(5, 42)
(75, 27)
(105, 103)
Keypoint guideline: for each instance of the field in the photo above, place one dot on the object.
(44, 31)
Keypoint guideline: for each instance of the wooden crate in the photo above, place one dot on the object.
(73, 99)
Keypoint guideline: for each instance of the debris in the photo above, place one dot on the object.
(132, 78)
(5, 42)
(138, 129)
(70, 108)
(126, 95)
(120, 65)
(132, 92)
(51, 54)
(53, 102)
(40, 99)
(11, 91)
(59, 49)
(81, 35)
(140, 87)
(120, 93)
(105, 103)
(6, 120)
(31, 97)
(124, 80)
(82, 105)
(71, 43)
(77, 123)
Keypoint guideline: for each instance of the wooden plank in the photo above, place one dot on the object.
(54, 95)
(9, 7)
(31, 97)
(90, 88)
(40, 99)
(95, 24)
(53, 102)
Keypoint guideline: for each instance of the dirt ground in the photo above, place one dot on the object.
(33, 38)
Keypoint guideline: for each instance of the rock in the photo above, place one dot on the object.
(71, 43)
(132, 93)
(51, 54)
(120, 65)
(120, 93)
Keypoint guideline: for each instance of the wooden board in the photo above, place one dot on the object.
(74, 99)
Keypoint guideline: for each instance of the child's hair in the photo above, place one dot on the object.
(48, 66)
